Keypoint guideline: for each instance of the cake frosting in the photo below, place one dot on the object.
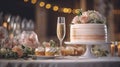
(40, 51)
(50, 51)
(88, 33)
(88, 27)
(50, 48)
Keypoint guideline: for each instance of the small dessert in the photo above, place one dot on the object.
(40, 51)
(63, 51)
(50, 51)
(50, 48)
(70, 50)
(80, 50)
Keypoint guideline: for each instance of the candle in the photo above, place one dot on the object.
(112, 49)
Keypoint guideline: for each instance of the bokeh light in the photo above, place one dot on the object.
(55, 8)
(33, 1)
(42, 4)
(77, 11)
(65, 10)
(5, 24)
(26, 0)
(48, 6)
(69, 10)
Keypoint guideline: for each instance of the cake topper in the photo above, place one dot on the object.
(89, 17)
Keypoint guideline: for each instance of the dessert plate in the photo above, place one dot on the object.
(43, 57)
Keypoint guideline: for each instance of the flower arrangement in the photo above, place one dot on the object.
(90, 16)
(99, 51)
(15, 52)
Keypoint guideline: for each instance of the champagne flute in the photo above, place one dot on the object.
(61, 31)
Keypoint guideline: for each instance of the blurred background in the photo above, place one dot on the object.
(14, 14)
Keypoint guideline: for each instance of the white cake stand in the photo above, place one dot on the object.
(88, 53)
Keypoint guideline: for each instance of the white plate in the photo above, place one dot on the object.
(88, 43)
(43, 57)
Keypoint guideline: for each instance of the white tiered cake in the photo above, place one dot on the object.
(88, 33)
(88, 27)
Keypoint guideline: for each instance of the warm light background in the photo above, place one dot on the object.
(45, 16)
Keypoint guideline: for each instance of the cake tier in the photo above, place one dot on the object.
(88, 33)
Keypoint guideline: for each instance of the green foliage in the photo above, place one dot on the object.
(27, 51)
(8, 54)
(52, 43)
(99, 52)
(80, 12)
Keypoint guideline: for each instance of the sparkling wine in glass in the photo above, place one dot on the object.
(61, 30)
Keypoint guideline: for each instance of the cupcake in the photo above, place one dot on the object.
(50, 51)
(40, 51)
(63, 51)
(79, 50)
(50, 48)
(69, 50)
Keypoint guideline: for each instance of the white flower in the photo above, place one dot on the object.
(94, 15)
(3, 50)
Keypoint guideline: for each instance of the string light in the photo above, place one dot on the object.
(48, 6)
(5, 24)
(25, 0)
(69, 10)
(42, 4)
(76, 11)
(55, 8)
(33, 1)
(65, 10)
(73, 11)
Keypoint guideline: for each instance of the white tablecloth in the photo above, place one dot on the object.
(72, 62)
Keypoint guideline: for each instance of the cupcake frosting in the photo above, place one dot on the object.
(40, 49)
(70, 48)
(50, 49)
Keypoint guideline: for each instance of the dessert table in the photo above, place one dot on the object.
(66, 62)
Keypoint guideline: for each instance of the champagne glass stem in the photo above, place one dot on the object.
(60, 47)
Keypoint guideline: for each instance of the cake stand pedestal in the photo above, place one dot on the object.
(88, 53)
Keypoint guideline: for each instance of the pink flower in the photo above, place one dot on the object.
(75, 20)
(18, 50)
(84, 18)
(30, 42)
(29, 39)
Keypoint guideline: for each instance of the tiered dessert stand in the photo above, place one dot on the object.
(88, 53)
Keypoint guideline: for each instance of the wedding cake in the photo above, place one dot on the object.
(88, 26)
